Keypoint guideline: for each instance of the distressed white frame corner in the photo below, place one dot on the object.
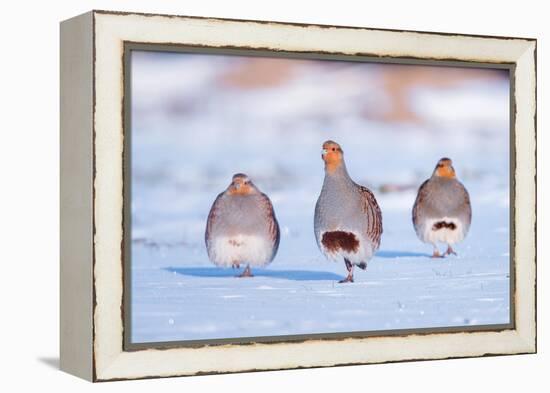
(92, 47)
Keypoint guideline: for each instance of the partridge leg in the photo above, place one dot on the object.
(450, 250)
(436, 253)
(349, 266)
(235, 265)
(246, 273)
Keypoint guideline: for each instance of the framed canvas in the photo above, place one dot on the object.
(244, 195)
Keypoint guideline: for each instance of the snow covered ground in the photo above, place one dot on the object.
(191, 133)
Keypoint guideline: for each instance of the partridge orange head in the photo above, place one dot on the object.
(241, 185)
(332, 155)
(444, 168)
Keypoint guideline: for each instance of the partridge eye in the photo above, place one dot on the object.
(333, 149)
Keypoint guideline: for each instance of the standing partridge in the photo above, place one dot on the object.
(242, 227)
(348, 221)
(442, 212)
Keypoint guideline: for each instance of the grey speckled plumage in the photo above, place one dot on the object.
(348, 220)
(242, 227)
(442, 212)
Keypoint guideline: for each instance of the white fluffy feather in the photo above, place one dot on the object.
(243, 249)
(442, 235)
(363, 254)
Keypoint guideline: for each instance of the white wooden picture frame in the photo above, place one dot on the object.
(92, 194)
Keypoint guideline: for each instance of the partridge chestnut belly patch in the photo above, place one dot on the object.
(442, 224)
(235, 243)
(340, 240)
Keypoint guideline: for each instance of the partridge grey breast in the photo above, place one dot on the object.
(348, 220)
(242, 227)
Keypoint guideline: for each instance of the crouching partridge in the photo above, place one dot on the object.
(442, 212)
(348, 221)
(242, 227)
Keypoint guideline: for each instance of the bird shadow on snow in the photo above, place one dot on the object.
(400, 254)
(296, 275)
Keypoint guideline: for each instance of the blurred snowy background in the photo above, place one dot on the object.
(197, 119)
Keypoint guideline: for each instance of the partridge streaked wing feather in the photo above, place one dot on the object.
(374, 216)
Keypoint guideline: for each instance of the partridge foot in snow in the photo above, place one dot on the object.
(246, 273)
(450, 251)
(436, 254)
(349, 278)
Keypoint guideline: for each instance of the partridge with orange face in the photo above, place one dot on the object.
(242, 227)
(348, 220)
(442, 212)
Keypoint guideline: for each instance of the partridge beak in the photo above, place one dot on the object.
(324, 152)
